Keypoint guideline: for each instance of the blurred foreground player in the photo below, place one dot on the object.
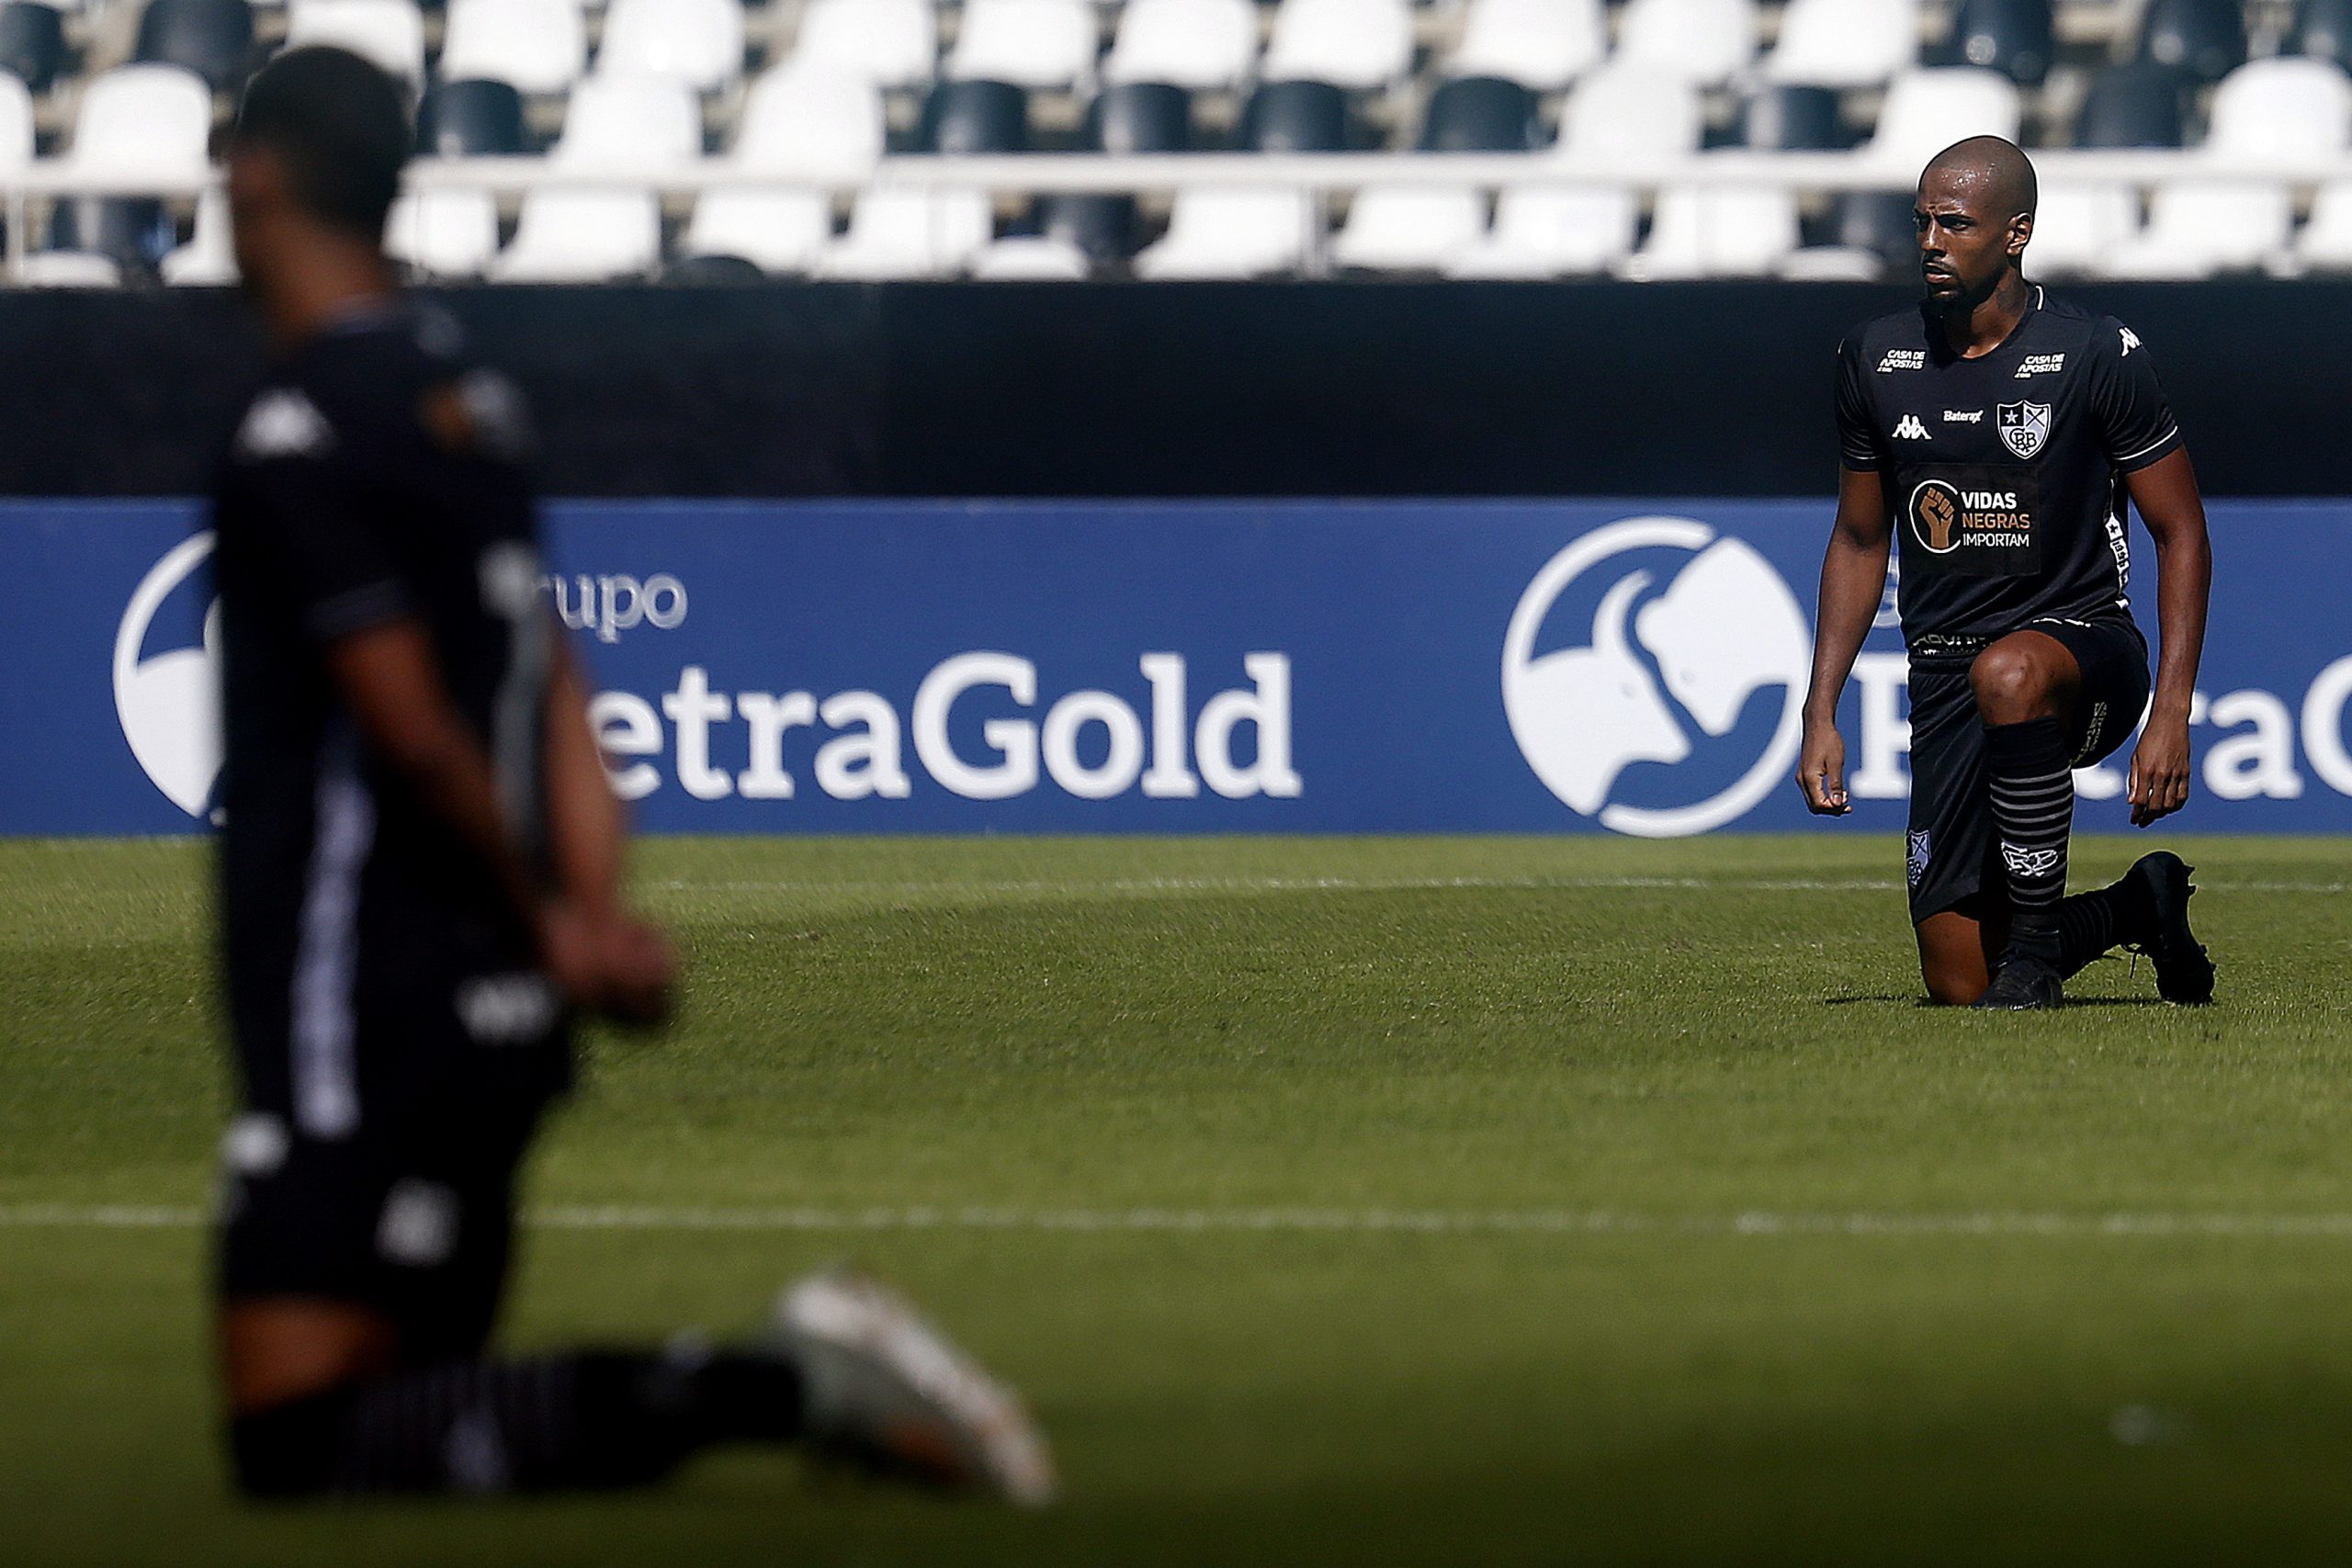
(420, 881)
(1999, 431)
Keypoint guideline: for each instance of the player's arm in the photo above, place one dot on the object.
(587, 839)
(2165, 494)
(1853, 583)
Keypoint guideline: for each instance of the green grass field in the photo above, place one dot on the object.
(1348, 1202)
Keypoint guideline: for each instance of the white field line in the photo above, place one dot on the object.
(1384, 884)
(1301, 1221)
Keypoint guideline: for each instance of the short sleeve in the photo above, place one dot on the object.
(2134, 421)
(1857, 433)
(309, 520)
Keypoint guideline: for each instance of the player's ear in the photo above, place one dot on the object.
(2020, 233)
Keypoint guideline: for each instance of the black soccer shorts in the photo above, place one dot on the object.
(404, 1205)
(1952, 850)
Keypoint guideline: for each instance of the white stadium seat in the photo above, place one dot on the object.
(1717, 231)
(390, 32)
(1926, 111)
(698, 42)
(615, 125)
(70, 269)
(1219, 232)
(2283, 109)
(895, 233)
(1542, 44)
(2078, 227)
(1031, 258)
(1844, 43)
(1619, 111)
(533, 45)
(1030, 43)
(892, 42)
(2197, 228)
(16, 123)
(144, 119)
(447, 233)
(1358, 44)
(1409, 228)
(2325, 243)
(1703, 41)
(798, 119)
(209, 260)
(1201, 45)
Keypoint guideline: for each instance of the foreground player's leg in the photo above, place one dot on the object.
(2144, 911)
(851, 1372)
(2025, 685)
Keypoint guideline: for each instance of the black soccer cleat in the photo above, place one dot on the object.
(2184, 973)
(2023, 984)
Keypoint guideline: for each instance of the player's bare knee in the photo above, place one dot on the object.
(1951, 987)
(2011, 685)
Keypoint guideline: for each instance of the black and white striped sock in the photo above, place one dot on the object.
(2033, 811)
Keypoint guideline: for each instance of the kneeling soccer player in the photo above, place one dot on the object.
(419, 882)
(1999, 432)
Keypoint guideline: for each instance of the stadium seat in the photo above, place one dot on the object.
(2282, 109)
(2325, 242)
(798, 119)
(1202, 45)
(136, 121)
(16, 123)
(698, 42)
(1717, 231)
(209, 260)
(390, 32)
(2205, 37)
(2138, 104)
(2012, 37)
(1409, 228)
(471, 120)
(1703, 41)
(2199, 228)
(615, 125)
(713, 272)
(213, 38)
(2323, 30)
(32, 42)
(895, 233)
(537, 45)
(1792, 119)
(1872, 236)
(1542, 44)
(1296, 116)
(70, 269)
(1547, 231)
(444, 233)
(1356, 44)
(964, 119)
(2078, 227)
(1131, 118)
(1926, 111)
(894, 43)
(1029, 44)
(1481, 114)
(1844, 43)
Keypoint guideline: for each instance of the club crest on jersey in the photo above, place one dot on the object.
(2023, 426)
(1915, 862)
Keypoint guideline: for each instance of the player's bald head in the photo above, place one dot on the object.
(1990, 172)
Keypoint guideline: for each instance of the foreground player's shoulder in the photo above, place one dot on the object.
(2102, 340)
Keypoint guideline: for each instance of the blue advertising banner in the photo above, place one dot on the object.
(1204, 667)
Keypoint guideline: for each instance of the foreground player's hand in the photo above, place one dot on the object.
(1821, 771)
(609, 965)
(2158, 786)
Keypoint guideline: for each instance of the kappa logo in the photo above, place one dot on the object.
(1916, 862)
(169, 702)
(2029, 862)
(1902, 359)
(2023, 427)
(2039, 365)
(1908, 428)
(2130, 341)
(1723, 628)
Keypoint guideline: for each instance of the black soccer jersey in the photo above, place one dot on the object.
(377, 475)
(2002, 473)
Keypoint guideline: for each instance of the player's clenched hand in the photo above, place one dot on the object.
(608, 964)
(1821, 771)
(2159, 782)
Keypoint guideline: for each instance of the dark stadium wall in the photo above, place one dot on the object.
(1166, 390)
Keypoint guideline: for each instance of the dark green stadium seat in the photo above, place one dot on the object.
(969, 118)
(32, 42)
(2013, 36)
(2139, 105)
(2204, 37)
(1296, 116)
(1792, 119)
(213, 38)
(1130, 117)
(1481, 114)
(471, 118)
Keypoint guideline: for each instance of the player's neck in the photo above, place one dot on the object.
(1980, 327)
(333, 281)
